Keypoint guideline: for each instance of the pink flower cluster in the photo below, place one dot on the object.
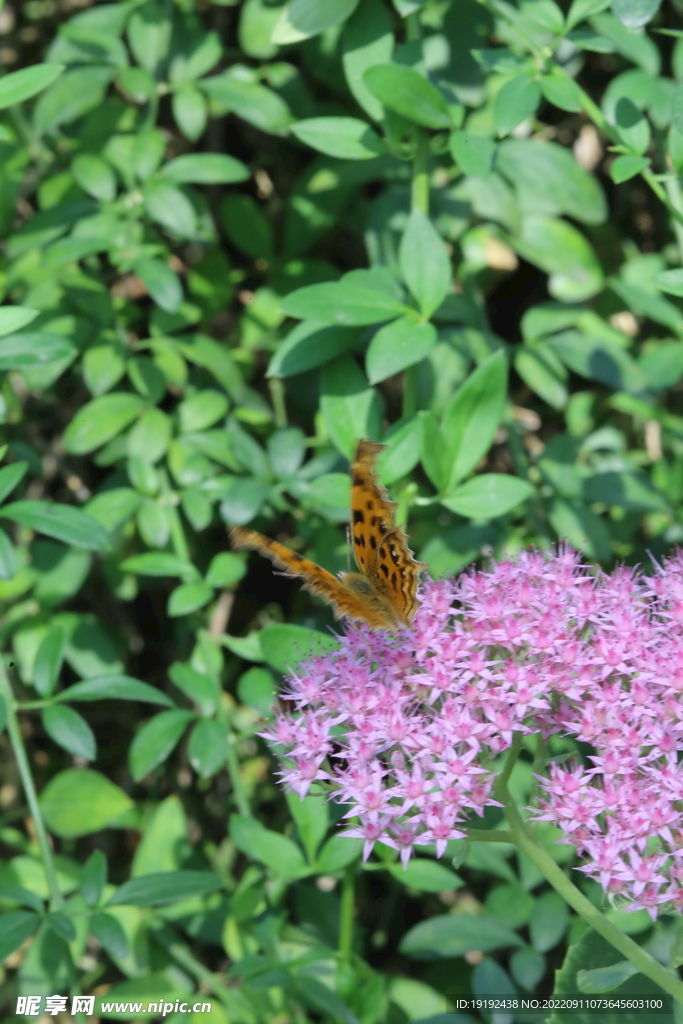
(406, 729)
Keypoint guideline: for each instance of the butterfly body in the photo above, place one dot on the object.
(384, 593)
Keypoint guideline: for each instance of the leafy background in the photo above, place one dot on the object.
(236, 238)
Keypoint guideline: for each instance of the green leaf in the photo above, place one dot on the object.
(22, 351)
(275, 850)
(47, 666)
(160, 888)
(101, 419)
(170, 207)
(95, 176)
(599, 359)
(402, 452)
(543, 374)
(407, 92)
(426, 875)
(200, 688)
(342, 302)
(343, 137)
(73, 94)
(247, 226)
(368, 39)
(13, 318)
(308, 345)
(548, 922)
(514, 102)
(548, 180)
(251, 101)
(207, 749)
(93, 878)
(21, 85)
(226, 570)
(337, 853)
(149, 34)
(348, 404)
(15, 927)
(312, 819)
(632, 125)
(161, 283)
(473, 416)
(425, 265)
(636, 46)
(670, 281)
(436, 457)
(61, 925)
(25, 898)
(205, 169)
(448, 935)
(563, 253)
(70, 730)
(189, 110)
(605, 979)
(188, 598)
(8, 557)
(63, 522)
(487, 496)
(155, 741)
(286, 451)
(397, 345)
(474, 154)
(330, 495)
(10, 476)
(160, 563)
(110, 934)
(78, 802)
(635, 13)
(582, 9)
(590, 954)
(625, 167)
(562, 92)
(256, 687)
(201, 410)
(285, 645)
(626, 489)
(243, 500)
(114, 687)
(302, 19)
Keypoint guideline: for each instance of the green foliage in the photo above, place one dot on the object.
(236, 239)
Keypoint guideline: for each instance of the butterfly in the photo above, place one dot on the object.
(384, 593)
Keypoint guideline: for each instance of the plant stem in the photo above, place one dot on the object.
(179, 951)
(346, 912)
(409, 400)
(420, 183)
(642, 961)
(277, 396)
(19, 749)
(233, 765)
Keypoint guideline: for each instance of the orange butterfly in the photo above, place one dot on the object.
(384, 593)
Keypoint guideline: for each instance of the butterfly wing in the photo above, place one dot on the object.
(372, 513)
(353, 597)
(396, 575)
(379, 546)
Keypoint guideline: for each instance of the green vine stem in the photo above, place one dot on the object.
(346, 912)
(523, 839)
(21, 757)
(19, 750)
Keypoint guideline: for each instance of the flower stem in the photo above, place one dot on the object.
(19, 749)
(21, 757)
(420, 182)
(346, 912)
(642, 961)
